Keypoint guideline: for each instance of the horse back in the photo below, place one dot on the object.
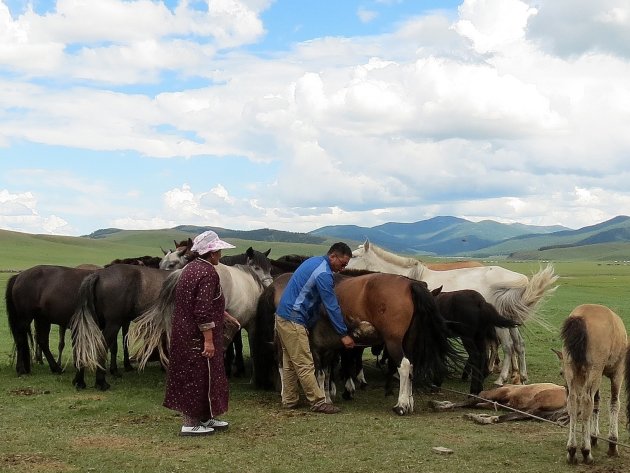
(51, 291)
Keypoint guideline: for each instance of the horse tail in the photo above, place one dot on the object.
(89, 347)
(490, 316)
(575, 340)
(20, 330)
(434, 356)
(628, 387)
(147, 332)
(263, 352)
(518, 302)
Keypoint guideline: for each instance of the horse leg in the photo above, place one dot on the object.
(358, 369)
(239, 362)
(79, 378)
(110, 334)
(475, 348)
(113, 359)
(519, 347)
(572, 409)
(42, 336)
(586, 413)
(595, 419)
(228, 358)
(405, 393)
(126, 359)
(62, 343)
(508, 349)
(347, 373)
(615, 390)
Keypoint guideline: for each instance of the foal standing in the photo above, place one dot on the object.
(594, 344)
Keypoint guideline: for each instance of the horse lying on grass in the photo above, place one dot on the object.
(543, 400)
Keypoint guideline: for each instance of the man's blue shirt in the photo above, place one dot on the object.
(312, 284)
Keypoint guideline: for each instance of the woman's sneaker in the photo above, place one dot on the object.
(196, 430)
(216, 424)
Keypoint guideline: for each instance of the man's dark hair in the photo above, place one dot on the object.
(341, 249)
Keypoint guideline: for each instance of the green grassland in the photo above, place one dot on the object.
(48, 426)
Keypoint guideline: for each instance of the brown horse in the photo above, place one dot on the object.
(378, 308)
(544, 400)
(595, 343)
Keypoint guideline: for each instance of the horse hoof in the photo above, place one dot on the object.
(79, 386)
(347, 396)
(399, 410)
(102, 386)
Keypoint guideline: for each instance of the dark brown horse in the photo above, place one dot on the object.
(378, 308)
(47, 295)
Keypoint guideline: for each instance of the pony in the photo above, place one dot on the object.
(119, 294)
(543, 400)
(378, 308)
(594, 344)
(511, 293)
(241, 286)
(45, 294)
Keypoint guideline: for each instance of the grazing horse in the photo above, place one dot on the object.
(512, 294)
(241, 286)
(544, 400)
(378, 308)
(595, 343)
(48, 295)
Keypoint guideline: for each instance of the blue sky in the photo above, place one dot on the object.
(294, 115)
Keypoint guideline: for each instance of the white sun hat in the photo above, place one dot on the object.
(209, 241)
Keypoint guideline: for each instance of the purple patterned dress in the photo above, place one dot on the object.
(197, 386)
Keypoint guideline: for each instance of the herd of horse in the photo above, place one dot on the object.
(416, 314)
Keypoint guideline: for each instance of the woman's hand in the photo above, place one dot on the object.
(208, 349)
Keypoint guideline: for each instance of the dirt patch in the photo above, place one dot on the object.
(28, 391)
(33, 463)
(106, 441)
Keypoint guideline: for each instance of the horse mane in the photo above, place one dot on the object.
(415, 267)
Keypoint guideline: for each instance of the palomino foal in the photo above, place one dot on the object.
(595, 343)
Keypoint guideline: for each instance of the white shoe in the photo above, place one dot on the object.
(196, 430)
(216, 424)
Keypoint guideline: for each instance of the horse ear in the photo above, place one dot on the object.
(163, 251)
(366, 245)
(250, 252)
(558, 354)
(436, 291)
(190, 243)
(267, 252)
(176, 244)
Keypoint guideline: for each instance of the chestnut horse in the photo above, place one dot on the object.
(513, 294)
(595, 343)
(378, 308)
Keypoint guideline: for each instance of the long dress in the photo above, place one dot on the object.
(197, 386)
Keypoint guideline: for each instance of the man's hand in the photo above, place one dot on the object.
(347, 341)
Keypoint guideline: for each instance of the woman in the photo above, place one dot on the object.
(196, 384)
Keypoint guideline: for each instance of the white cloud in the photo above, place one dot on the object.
(366, 15)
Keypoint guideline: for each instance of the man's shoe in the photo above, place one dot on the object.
(196, 430)
(326, 408)
(216, 424)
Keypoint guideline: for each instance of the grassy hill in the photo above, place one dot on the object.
(19, 250)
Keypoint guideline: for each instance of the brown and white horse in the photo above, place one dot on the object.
(514, 295)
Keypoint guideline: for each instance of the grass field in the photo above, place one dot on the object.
(48, 426)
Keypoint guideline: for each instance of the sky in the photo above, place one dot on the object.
(297, 114)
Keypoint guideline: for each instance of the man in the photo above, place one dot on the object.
(298, 310)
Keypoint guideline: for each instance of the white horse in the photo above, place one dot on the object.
(513, 294)
(242, 285)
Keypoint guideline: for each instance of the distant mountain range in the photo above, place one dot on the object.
(439, 236)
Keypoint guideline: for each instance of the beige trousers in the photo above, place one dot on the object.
(297, 365)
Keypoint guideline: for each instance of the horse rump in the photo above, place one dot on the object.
(263, 354)
(434, 355)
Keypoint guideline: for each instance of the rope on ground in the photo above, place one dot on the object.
(495, 404)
